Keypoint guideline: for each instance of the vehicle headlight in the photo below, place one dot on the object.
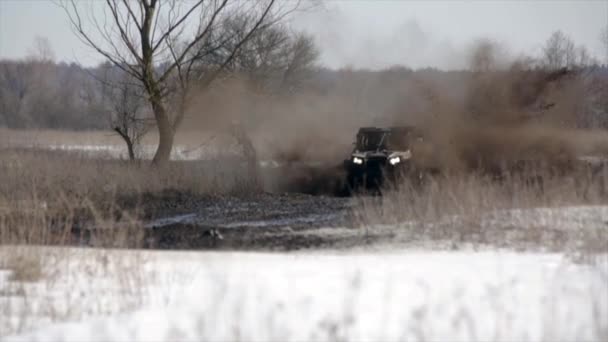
(357, 160)
(394, 160)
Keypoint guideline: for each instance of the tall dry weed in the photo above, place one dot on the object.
(517, 211)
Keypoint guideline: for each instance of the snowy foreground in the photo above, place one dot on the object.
(392, 295)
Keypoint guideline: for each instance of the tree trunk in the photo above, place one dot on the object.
(130, 149)
(249, 152)
(165, 135)
(128, 141)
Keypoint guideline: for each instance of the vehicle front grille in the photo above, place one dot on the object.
(376, 162)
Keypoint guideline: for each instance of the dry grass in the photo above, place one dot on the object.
(47, 174)
(474, 194)
(24, 266)
(46, 198)
(62, 199)
(479, 209)
(67, 284)
(43, 195)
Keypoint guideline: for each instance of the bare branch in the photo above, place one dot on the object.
(76, 21)
(194, 41)
(132, 14)
(122, 27)
(257, 25)
(177, 24)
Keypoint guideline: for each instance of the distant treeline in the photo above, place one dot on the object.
(37, 93)
(44, 94)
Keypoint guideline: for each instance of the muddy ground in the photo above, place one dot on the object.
(294, 221)
(299, 207)
(262, 221)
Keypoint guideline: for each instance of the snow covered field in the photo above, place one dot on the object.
(179, 152)
(391, 295)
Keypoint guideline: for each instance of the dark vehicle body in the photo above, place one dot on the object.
(380, 154)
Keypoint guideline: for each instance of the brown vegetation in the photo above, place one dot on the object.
(475, 209)
(45, 197)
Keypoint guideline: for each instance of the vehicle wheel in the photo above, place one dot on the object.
(352, 185)
(374, 182)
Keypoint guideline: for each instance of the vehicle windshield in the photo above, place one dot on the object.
(396, 141)
(370, 141)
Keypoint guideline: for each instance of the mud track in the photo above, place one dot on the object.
(303, 210)
(264, 221)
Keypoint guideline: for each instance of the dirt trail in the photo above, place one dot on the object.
(265, 221)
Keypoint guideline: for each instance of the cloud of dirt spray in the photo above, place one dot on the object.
(315, 125)
(508, 112)
(318, 123)
(308, 134)
(499, 110)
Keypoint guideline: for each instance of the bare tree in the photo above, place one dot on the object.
(162, 43)
(301, 55)
(596, 92)
(17, 88)
(41, 50)
(30, 96)
(583, 58)
(126, 107)
(275, 59)
(485, 55)
(561, 52)
(553, 52)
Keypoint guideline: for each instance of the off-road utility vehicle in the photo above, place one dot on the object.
(380, 154)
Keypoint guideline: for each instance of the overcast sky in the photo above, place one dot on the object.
(367, 34)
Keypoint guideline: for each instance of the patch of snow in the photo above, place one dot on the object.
(388, 296)
(186, 218)
(560, 218)
(269, 164)
(283, 221)
(553, 218)
(179, 152)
